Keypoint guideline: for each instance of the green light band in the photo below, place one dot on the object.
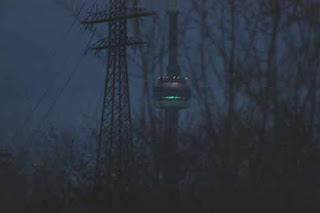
(172, 97)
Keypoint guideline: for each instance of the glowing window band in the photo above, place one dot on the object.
(172, 97)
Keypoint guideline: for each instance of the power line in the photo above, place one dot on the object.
(53, 53)
(69, 79)
(64, 86)
(46, 90)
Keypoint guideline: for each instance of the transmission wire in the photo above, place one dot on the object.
(50, 83)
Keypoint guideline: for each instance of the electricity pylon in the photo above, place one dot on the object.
(115, 158)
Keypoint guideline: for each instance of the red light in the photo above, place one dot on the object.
(35, 165)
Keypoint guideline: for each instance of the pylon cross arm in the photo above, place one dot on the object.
(106, 16)
(109, 44)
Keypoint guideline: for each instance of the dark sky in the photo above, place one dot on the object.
(37, 55)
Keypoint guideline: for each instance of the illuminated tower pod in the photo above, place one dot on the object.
(172, 94)
(115, 149)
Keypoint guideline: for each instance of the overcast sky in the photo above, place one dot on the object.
(37, 54)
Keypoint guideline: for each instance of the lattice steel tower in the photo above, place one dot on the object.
(115, 148)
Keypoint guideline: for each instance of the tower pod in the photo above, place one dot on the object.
(172, 93)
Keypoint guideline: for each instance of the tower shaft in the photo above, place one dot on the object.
(173, 66)
(171, 116)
